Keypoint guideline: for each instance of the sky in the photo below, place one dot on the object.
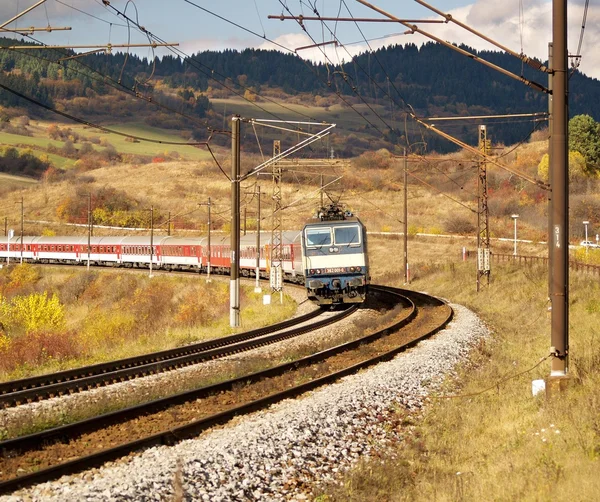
(521, 25)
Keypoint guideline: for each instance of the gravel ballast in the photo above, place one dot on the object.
(280, 453)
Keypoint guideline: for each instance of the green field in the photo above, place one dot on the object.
(146, 148)
(335, 114)
(41, 142)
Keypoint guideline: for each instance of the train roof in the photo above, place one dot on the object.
(288, 237)
(318, 221)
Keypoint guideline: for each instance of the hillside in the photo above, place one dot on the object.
(442, 193)
(367, 97)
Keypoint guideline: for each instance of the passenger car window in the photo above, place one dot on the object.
(320, 236)
(348, 235)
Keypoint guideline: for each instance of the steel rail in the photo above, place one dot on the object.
(15, 392)
(194, 428)
(107, 373)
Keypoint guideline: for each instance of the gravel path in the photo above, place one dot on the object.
(279, 453)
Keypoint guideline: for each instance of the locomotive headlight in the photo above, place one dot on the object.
(335, 250)
(331, 250)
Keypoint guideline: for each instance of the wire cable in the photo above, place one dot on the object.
(96, 126)
(577, 60)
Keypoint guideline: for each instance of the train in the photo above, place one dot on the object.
(334, 269)
(335, 258)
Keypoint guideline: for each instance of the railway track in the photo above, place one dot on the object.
(18, 392)
(97, 440)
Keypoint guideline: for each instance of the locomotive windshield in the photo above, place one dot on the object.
(347, 235)
(318, 236)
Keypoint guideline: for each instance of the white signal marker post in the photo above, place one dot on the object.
(11, 232)
(257, 288)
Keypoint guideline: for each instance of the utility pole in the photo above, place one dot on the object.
(169, 224)
(89, 230)
(560, 197)
(276, 278)
(483, 229)
(209, 246)
(550, 128)
(234, 281)
(257, 288)
(151, 238)
(5, 226)
(245, 219)
(22, 221)
(406, 274)
(321, 192)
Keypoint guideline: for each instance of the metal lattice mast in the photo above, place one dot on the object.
(277, 227)
(483, 220)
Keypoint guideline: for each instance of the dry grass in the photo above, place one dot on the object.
(374, 191)
(115, 314)
(502, 444)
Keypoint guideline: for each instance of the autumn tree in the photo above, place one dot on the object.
(577, 167)
(584, 137)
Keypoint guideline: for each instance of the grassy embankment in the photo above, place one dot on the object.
(53, 319)
(484, 436)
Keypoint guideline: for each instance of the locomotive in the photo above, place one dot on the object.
(335, 258)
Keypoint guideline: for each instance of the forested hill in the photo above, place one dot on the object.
(433, 79)
(431, 76)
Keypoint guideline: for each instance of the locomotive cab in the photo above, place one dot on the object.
(335, 260)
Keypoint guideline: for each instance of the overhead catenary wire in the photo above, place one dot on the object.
(577, 58)
(345, 79)
(97, 126)
(90, 15)
(211, 75)
(105, 79)
(407, 107)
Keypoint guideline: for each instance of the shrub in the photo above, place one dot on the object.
(381, 159)
(191, 310)
(32, 313)
(151, 304)
(102, 329)
(88, 163)
(459, 224)
(37, 349)
(76, 285)
(86, 148)
(23, 275)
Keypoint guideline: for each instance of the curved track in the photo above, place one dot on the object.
(222, 401)
(26, 390)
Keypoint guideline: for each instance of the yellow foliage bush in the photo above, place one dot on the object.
(4, 342)
(107, 329)
(576, 166)
(591, 256)
(23, 275)
(413, 230)
(31, 313)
